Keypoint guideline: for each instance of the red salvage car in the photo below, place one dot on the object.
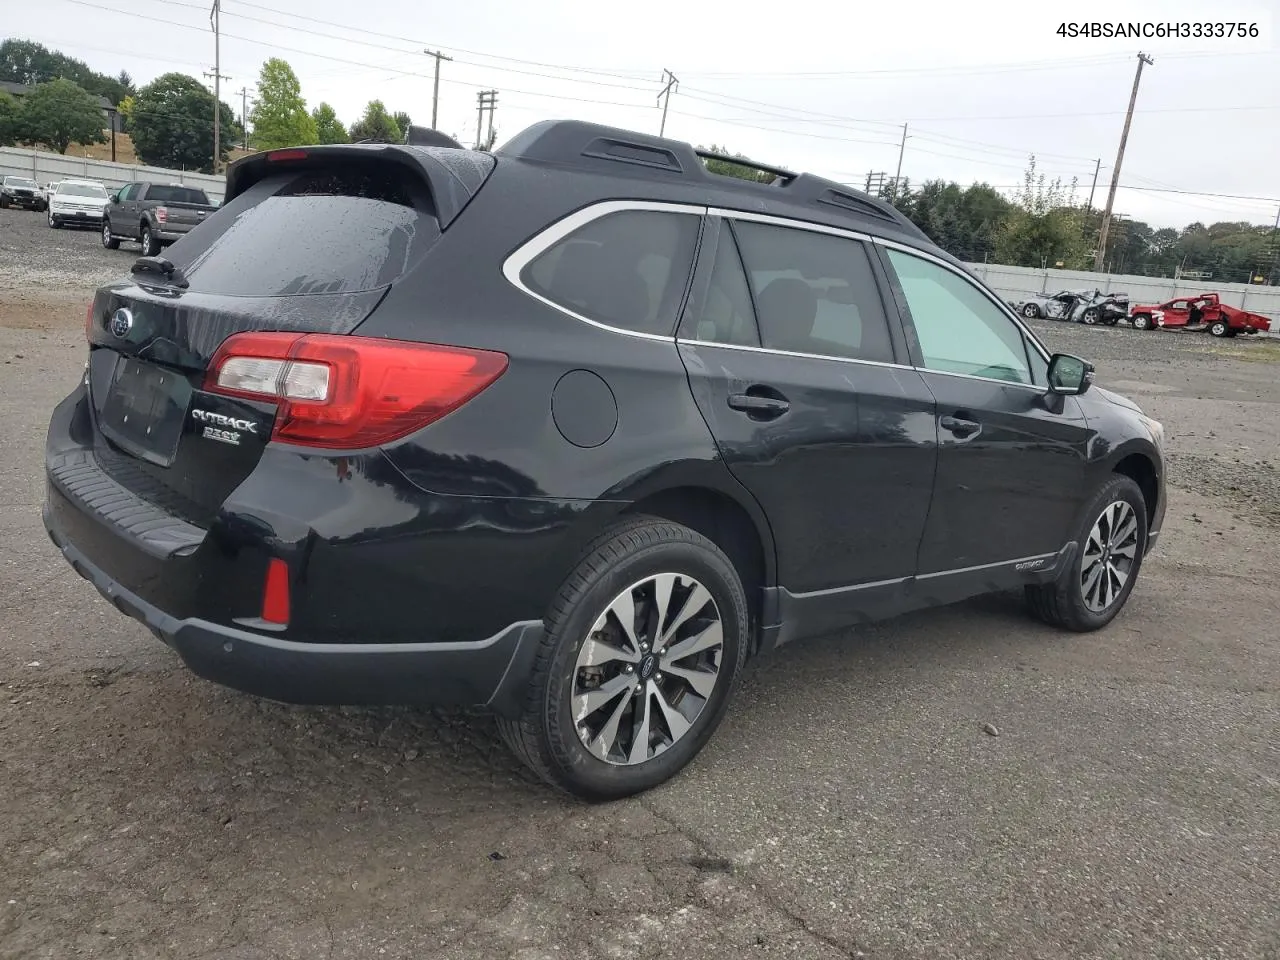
(1205, 312)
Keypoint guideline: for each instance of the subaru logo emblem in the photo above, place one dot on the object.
(121, 323)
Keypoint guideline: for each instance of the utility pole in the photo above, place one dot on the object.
(486, 100)
(435, 90)
(244, 115)
(1272, 277)
(902, 148)
(665, 97)
(1099, 257)
(1097, 165)
(215, 20)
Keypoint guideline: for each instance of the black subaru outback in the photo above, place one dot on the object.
(570, 431)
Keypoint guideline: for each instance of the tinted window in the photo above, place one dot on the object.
(312, 233)
(814, 293)
(959, 329)
(19, 182)
(129, 192)
(626, 269)
(168, 194)
(727, 315)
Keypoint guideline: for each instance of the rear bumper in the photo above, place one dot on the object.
(489, 672)
(169, 235)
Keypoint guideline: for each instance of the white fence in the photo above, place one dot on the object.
(44, 167)
(1015, 282)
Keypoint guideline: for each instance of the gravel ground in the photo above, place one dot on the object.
(852, 805)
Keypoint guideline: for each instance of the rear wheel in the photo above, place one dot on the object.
(638, 661)
(1096, 585)
(1142, 321)
(1030, 311)
(1090, 316)
(109, 241)
(4, 202)
(150, 246)
(1219, 328)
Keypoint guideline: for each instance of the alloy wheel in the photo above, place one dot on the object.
(1110, 556)
(647, 669)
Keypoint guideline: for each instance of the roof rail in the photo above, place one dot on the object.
(567, 143)
(778, 172)
(416, 136)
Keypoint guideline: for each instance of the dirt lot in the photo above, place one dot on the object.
(851, 805)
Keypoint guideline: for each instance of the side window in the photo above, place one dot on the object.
(814, 293)
(129, 193)
(959, 329)
(625, 269)
(727, 315)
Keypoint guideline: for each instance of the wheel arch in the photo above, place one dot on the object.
(1140, 467)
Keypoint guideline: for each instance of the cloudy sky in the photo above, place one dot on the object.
(807, 84)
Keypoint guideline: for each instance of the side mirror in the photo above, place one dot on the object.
(115, 198)
(1068, 375)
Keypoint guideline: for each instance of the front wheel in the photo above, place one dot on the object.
(54, 222)
(1030, 311)
(1090, 316)
(1142, 321)
(1095, 586)
(108, 240)
(1219, 328)
(638, 660)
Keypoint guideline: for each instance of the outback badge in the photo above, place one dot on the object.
(222, 428)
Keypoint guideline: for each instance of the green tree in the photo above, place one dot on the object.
(727, 169)
(280, 117)
(376, 125)
(403, 121)
(329, 128)
(60, 113)
(171, 122)
(9, 120)
(125, 109)
(31, 63)
(1045, 227)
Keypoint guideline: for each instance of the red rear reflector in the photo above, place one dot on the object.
(350, 393)
(275, 593)
(276, 155)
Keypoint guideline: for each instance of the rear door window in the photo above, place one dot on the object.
(627, 269)
(170, 194)
(326, 231)
(814, 293)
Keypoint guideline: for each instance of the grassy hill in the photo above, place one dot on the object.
(124, 150)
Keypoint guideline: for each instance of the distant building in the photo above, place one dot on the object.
(111, 116)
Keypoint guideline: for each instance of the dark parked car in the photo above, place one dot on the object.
(20, 192)
(154, 214)
(570, 431)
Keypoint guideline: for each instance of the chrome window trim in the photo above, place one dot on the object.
(513, 267)
(522, 256)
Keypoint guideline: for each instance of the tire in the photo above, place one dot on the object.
(1031, 311)
(150, 245)
(1219, 328)
(109, 241)
(1090, 316)
(1069, 602)
(1142, 321)
(1111, 321)
(54, 222)
(4, 203)
(591, 755)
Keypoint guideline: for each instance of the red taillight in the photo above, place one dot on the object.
(277, 155)
(162, 215)
(348, 393)
(275, 592)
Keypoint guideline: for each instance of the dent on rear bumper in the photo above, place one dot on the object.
(489, 672)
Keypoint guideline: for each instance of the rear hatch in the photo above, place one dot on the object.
(307, 243)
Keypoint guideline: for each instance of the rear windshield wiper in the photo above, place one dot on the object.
(161, 266)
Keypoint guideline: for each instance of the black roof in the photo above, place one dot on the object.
(618, 152)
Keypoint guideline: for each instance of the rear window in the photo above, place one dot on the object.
(331, 231)
(168, 194)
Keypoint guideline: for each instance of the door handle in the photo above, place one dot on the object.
(760, 405)
(961, 428)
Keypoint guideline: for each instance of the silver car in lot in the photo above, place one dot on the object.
(1051, 306)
